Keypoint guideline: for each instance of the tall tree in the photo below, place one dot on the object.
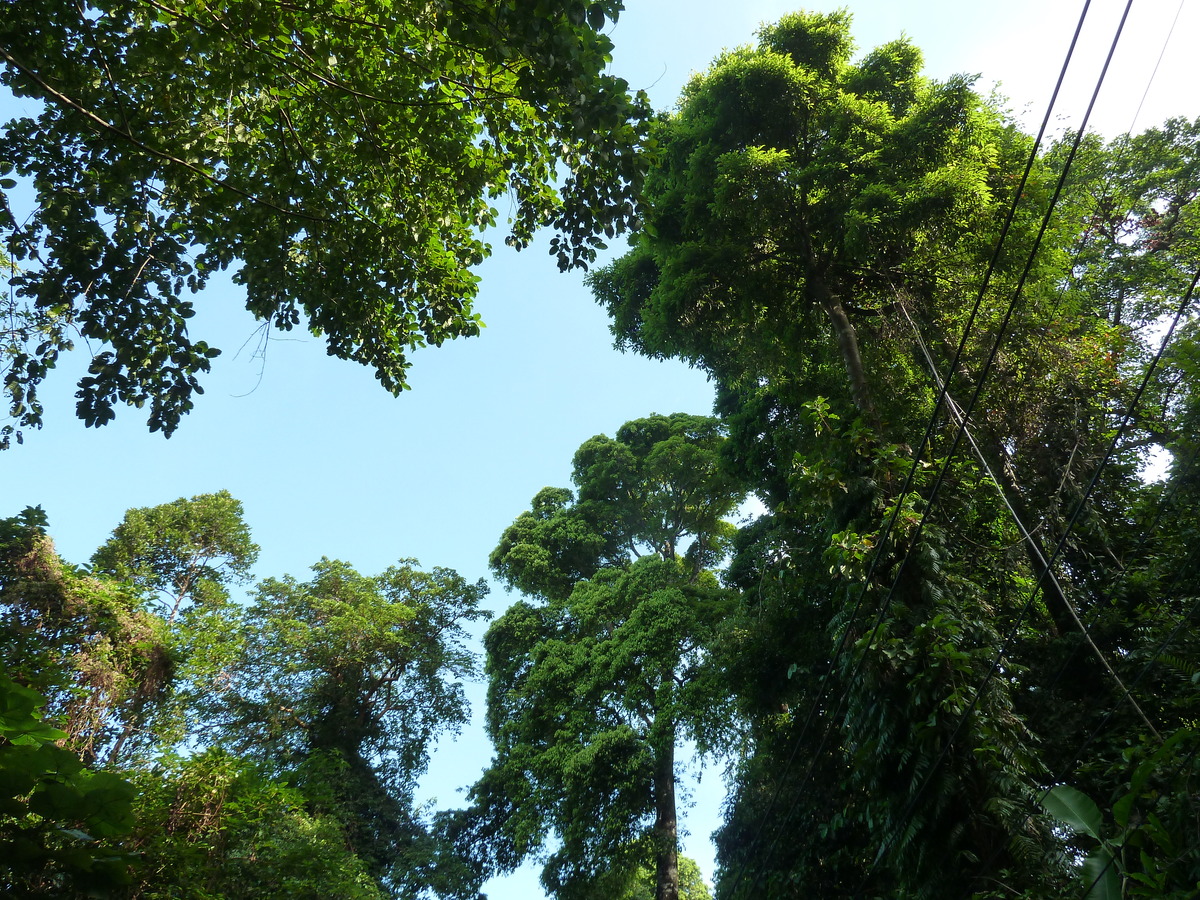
(814, 233)
(798, 196)
(183, 556)
(595, 680)
(343, 683)
(343, 157)
(186, 550)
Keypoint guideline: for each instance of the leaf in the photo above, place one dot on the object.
(1074, 809)
(76, 834)
(1101, 880)
(1123, 807)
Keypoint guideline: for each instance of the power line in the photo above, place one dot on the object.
(911, 806)
(981, 380)
(1158, 62)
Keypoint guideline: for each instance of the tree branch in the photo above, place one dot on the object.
(65, 101)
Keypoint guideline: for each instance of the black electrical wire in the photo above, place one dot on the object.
(911, 805)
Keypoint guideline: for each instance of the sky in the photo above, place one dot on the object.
(328, 464)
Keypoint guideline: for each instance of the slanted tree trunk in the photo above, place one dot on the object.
(665, 825)
(847, 340)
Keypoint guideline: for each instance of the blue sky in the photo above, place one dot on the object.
(327, 464)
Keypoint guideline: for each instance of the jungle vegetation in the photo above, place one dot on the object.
(955, 657)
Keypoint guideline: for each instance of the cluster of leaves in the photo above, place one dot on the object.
(344, 157)
(1146, 850)
(60, 823)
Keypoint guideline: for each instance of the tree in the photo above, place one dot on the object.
(184, 550)
(344, 158)
(183, 557)
(593, 683)
(795, 194)
(816, 228)
(87, 643)
(342, 685)
(1124, 732)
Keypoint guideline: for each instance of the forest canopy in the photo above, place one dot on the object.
(344, 159)
(953, 653)
(223, 749)
(938, 350)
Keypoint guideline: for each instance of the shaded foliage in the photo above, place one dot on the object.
(61, 823)
(215, 825)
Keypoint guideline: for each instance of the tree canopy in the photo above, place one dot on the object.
(592, 686)
(343, 683)
(186, 550)
(816, 230)
(796, 192)
(226, 750)
(344, 158)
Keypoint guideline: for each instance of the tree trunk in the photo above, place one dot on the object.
(665, 825)
(847, 341)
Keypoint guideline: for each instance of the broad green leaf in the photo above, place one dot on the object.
(1101, 880)
(1123, 807)
(1074, 809)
